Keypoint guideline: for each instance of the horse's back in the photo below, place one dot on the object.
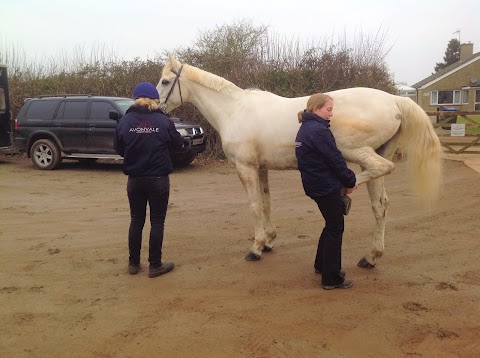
(364, 117)
(268, 123)
(363, 101)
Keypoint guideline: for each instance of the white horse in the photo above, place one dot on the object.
(258, 130)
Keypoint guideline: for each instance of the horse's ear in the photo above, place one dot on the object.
(173, 62)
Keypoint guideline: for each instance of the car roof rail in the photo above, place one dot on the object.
(64, 95)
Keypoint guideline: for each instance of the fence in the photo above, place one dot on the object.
(458, 144)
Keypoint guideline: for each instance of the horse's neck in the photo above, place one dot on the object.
(216, 106)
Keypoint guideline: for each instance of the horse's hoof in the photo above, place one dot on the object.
(265, 248)
(252, 257)
(363, 263)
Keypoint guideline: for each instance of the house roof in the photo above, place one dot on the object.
(404, 88)
(447, 71)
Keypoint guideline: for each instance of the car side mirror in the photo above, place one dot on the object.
(114, 115)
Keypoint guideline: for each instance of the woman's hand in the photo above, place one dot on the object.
(350, 190)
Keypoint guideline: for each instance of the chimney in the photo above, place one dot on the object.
(466, 50)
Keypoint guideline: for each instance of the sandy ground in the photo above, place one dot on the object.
(65, 290)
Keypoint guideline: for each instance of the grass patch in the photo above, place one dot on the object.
(469, 127)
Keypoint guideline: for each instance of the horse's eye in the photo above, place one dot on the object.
(165, 82)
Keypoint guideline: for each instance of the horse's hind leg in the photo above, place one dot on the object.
(373, 165)
(266, 205)
(379, 201)
(249, 177)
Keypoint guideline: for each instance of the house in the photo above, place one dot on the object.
(406, 91)
(456, 86)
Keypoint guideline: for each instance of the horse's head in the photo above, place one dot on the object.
(169, 87)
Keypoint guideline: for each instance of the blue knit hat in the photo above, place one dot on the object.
(145, 89)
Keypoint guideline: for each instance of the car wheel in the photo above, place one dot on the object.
(45, 154)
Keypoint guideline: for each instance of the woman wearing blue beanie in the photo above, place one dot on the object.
(143, 138)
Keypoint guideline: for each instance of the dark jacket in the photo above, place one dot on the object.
(143, 138)
(321, 164)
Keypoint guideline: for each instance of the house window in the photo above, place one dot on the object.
(445, 97)
(465, 96)
(456, 97)
(477, 100)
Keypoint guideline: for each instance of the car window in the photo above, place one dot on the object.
(41, 109)
(60, 110)
(99, 110)
(124, 104)
(75, 110)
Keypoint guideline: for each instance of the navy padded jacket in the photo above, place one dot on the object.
(321, 164)
(144, 139)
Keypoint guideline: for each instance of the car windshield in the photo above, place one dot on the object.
(124, 104)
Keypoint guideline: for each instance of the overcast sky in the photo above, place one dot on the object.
(416, 31)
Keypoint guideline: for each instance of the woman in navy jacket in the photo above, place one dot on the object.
(324, 175)
(143, 138)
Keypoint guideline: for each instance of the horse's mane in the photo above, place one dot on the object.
(204, 78)
(208, 79)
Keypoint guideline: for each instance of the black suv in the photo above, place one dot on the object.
(82, 127)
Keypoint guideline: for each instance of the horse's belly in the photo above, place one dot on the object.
(280, 159)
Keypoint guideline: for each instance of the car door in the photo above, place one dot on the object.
(100, 129)
(69, 125)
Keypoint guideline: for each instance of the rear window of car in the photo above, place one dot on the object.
(75, 110)
(41, 109)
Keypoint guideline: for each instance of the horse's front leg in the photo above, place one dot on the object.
(266, 205)
(249, 177)
(379, 201)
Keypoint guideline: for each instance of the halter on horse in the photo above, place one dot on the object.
(175, 81)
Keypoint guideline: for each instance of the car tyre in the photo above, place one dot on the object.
(45, 154)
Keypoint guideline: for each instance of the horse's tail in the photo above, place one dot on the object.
(419, 142)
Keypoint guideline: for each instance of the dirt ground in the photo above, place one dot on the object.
(65, 290)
